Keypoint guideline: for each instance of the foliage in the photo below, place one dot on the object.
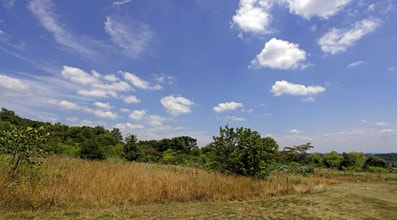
(332, 160)
(131, 151)
(235, 151)
(296, 153)
(352, 161)
(242, 152)
(91, 150)
(315, 159)
(391, 158)
(296, 168)
(377, 164)
(23, 145)
(169, 157)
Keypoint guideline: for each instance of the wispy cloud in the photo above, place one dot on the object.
(232, 118)
(119, 3)
(44, 11)
(354, 64)
(140, 83)
(392, 68)
(338, 40)
(132, 37)
(355, 140)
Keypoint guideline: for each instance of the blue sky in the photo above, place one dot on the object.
(316, 71)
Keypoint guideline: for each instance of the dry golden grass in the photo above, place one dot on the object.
(65, 188)
(73, 182)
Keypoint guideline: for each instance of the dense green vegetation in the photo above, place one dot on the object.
(238, 151)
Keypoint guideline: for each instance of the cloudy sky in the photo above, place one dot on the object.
(316, 71)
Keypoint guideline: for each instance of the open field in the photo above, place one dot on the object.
(75, 189)
(373, 200)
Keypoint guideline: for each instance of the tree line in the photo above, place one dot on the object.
(238, 151)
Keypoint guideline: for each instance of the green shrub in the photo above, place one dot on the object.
(296, 168)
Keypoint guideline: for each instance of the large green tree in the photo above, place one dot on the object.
(242, 151)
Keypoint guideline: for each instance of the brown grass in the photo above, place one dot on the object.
(66, 188)
(68, 182)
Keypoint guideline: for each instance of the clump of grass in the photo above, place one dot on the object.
(73, 182)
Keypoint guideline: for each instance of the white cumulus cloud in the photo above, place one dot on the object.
(280, 54)
(131, 99)
(78, 76)
(176, 105)
(253, 16)
(103, 105)
(320, 8)
(227, 106)
(137, 114)
(284, 87)
(68, 105)
(105, 114)
(338, 40)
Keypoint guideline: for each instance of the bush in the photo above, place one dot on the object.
(24, 145)
(296, 168)
(242, 152)
(90, 149)
(379, 169)
(377, 164)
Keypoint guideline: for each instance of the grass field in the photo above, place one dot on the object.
(75, 189)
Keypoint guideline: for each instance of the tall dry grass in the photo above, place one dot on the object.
(73, 182)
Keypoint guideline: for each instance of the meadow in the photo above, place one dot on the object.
(65, 188)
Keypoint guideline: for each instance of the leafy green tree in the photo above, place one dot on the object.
(169, 157)
(116, 133)
(150, 151)
(315, 159)
(375, 163)
(296, 153)
(10, 116)
(332, 160)
(131, 150)
(92, 150)
(183, 144)
(352, 161)
(23, 144)
(242, 152)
